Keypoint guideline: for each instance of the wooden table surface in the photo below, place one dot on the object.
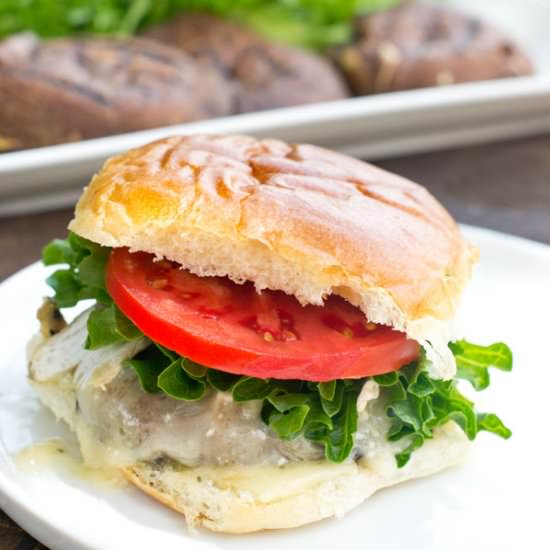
(503, 186)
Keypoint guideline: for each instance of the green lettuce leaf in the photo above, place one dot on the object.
(176, 383)
(148, 365)
(310, 23)
(288, 425)
(417, 404)
(108, 325)
(84, 279)
(84, 276)
(473, 361)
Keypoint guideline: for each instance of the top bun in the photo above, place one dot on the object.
(296, 218)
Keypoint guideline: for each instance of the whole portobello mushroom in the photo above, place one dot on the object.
(266, 75)
(71, 89)
(419, 45)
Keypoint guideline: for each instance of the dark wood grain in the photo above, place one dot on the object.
(502, 186)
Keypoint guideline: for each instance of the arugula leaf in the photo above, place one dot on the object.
(176, 383)
(108, 325)
(289, 424)
(317, 423)
(327, 390)
(84, 277)
(285, 402)
(58, 251)
(332, 406)
(473, 361)
(417, 403)
(91, 269)
(194, 370)
(221, 381)
(247, 389)
(416, 441)
(386, 380)
(492, 423)
(340, 440)
(67, 287)
(148, 365)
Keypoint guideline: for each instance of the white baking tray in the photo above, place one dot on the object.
(369, 127)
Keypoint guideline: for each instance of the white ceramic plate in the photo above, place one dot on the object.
(368, 127)
(498, 499)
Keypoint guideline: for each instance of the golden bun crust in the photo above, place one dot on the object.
(297, 218)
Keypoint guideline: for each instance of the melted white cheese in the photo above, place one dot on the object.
(118, 424)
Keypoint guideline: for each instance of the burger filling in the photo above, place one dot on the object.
(167, 365)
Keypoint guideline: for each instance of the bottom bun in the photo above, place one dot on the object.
(244, 499)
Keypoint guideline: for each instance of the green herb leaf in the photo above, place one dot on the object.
(408, 411)
(333, 406)
(248, 388)
(91, 269)
(84, 278)
(386, 380)
(416, 441)
(58, 251)
(148, 365)
(288, 425)
(176, 383)
(398, 430)
(421, 387)
(492, 423)
(67, 287)
(473, 361)
(107, 325)
(317, 423)
(288, 401)
(417, 404)
(169, 354)
(327, 390)
(221, 381)
(339, 441)
(194, 370)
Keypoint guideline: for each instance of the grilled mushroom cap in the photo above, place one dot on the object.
(267, 75)
(66, 90)
(419, 45)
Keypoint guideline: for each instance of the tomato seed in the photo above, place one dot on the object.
(348, 333)
(289, 336)
(159, 284)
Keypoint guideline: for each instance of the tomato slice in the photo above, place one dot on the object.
(233, 328)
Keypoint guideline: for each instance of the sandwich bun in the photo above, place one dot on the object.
(296, 218)
(243, 499)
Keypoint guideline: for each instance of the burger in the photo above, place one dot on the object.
(264, 339)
